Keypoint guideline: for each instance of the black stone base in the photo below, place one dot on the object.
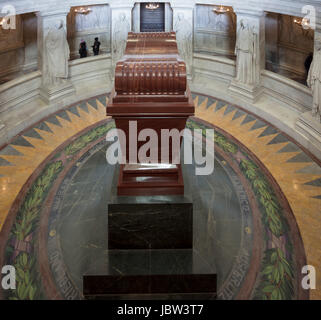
(202, 286)
(154, 222)
(152, 274)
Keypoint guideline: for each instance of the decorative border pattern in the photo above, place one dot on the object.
(277, 271)
(21, 251)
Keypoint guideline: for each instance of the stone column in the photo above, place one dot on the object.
(121, 20)
(250, 51)
(47, 21)
(183, 26)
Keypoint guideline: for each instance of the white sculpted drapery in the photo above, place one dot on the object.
(57, 54)
(184, 37)
(245, 51)
(314, 82)
(122, 27)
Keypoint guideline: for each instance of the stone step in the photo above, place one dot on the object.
(152, 274)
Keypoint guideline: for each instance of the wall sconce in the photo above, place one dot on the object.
(302, 22)
(221, 9)
(83, 10)
(152, 6)
(1, 22)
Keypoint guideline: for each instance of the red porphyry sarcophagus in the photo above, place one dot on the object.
(151, 88)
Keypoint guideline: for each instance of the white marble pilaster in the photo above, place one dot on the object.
(30, 42)
(136, 17)
(121, 20)
(45, 22)
(247, 81)
(183, 26)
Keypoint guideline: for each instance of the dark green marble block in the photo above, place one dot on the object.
(150, 224)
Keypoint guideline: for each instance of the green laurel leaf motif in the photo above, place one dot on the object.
(27, 287)
(24, 263)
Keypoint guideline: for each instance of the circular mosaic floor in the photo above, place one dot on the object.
(57, 185)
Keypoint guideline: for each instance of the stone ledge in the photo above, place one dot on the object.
(274, 111)
(311, 129)
(54, 94)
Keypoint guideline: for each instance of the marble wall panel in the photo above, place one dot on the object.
(12, 39)
(287, 46)
(86, 27)
(214, 33)
(18, 48)
(30, 42)
(11, 50)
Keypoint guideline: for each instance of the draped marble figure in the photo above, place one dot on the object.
(120, 33)
(245, 51)
(184, 37)
(57, 54)
(314, 82)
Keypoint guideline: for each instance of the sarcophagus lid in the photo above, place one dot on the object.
(151, 69)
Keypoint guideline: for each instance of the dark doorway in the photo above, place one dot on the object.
(152, 19)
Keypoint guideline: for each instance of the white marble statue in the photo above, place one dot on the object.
(121, 29)
(56, 56)
(314, 82)
(245, 51)
(184, 38)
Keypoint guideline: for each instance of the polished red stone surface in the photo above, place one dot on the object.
(151, 88)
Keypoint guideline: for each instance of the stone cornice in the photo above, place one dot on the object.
(291, 7)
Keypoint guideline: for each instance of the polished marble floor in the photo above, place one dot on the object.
(79, 219)
(256, 219)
